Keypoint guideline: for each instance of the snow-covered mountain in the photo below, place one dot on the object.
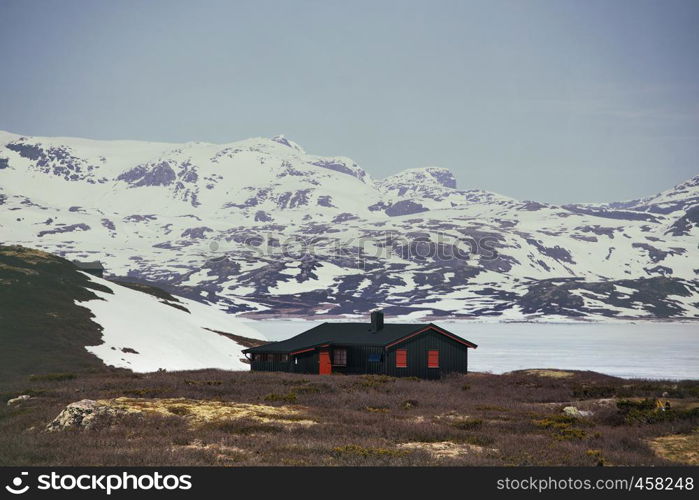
(261, 227)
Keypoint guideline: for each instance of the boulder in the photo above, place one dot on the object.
(18, 400)
(85, 414)
(608, 402)
(572, 411)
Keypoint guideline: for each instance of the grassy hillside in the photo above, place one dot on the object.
(43, 329)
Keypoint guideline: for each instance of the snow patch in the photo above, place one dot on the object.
(144, 335)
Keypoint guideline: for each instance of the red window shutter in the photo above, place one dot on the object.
(433, 359)
(401, 358)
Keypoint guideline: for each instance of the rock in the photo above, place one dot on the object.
(608, 402)
(85, 414)
(572, 411)
(18, 400)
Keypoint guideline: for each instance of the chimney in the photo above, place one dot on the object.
(376, 320)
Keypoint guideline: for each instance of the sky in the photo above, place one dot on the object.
(550, 100)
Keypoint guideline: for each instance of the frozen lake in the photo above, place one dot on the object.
(642, 350)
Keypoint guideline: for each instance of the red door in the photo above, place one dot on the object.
(324, 360)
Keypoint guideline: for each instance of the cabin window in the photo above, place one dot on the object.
(340, 357)
(374, 357)
(401, 358)
(269, 357)
(433, 359)
(284, 358)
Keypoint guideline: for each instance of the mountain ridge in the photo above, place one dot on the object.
(261, 227)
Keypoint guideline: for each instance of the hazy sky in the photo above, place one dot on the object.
(556, 101)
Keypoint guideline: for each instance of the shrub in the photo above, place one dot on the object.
(361, 451)
(647, 411)
(491, 408)
(52, 377)
(296, 462)
(467, 424)
(294, 381)
(377, 409)
(289, 397)
(178, 410)
(242, 427)
(556, 422)
(594, 391)
(145, 392)
(641, 412)
(312, 388)
(626, 405)
(305, 389)
(203, 382)
(597, 455)
(373, 381)
(181, 440)
(569, 433)
(475, 439)
(563, 427)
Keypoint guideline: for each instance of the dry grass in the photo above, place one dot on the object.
(199, 412)
(550, 373)
(29, 255)
(213, 417)
(682, 448)
(15, 269)
(447, 449)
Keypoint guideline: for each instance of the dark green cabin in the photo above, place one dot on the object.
(395, 349)
(95, 268)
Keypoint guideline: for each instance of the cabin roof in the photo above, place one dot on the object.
(96, 264)
(351, 334)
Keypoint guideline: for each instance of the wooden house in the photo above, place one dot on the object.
(395, 349)
(95, 268)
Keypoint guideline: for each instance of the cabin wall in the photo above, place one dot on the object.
(270, 366)
(358, 360)
(305, 362)
(453, 356)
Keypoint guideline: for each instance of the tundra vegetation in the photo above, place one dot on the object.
(214, 417)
